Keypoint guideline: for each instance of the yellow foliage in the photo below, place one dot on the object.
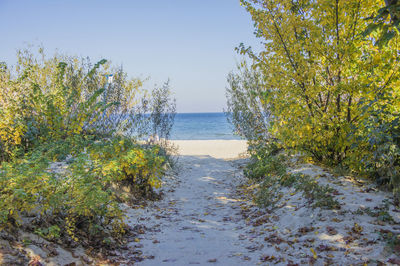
(319, 71)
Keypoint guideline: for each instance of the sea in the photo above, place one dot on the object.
(202, 126)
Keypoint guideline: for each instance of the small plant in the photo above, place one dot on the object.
(248, 115)
(268, 194)
(51, 233)
(392, 239)
(274, 175)
(163, 110)
(262, 166)
(320, 196)
(289, 179)
(26, 242)
(381, 212)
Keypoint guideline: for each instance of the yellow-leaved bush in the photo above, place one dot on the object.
(78, 198)
(53, 98)
(124, 161)
(331, 90)
(68, 139)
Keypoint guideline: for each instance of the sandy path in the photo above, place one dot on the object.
(198, 221)
(207, 217)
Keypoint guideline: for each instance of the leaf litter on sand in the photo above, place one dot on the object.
(304, 234)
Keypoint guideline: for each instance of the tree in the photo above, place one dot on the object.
(246, 112)
(320, 71)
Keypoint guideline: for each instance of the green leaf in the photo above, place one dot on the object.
(370, 29)
(96, 66)
(385, 38)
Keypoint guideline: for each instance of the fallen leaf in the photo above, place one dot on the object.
(332, 231)
(305, 230)
(357, 228)
(265, 258)
(314, 253)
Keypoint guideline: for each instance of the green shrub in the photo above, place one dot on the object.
(78, 199)
(272, 165)
(376, 147)
(273, 174)
(61, 112)
(55, 98)
(265, 160)
(123, 161)
(319, 196)
(268, 193)
(246, 112)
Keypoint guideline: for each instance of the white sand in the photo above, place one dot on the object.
(198, 221)
(220, 149)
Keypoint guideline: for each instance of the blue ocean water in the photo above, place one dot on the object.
(202, 126)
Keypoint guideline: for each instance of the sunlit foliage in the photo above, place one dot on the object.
(331, 91)
(70, 142)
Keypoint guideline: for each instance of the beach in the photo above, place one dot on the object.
(220, 149)
(200, 133)
(207, 215)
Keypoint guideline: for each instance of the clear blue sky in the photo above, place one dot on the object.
(189, 41)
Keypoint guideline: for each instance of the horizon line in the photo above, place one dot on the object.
(210, 112)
